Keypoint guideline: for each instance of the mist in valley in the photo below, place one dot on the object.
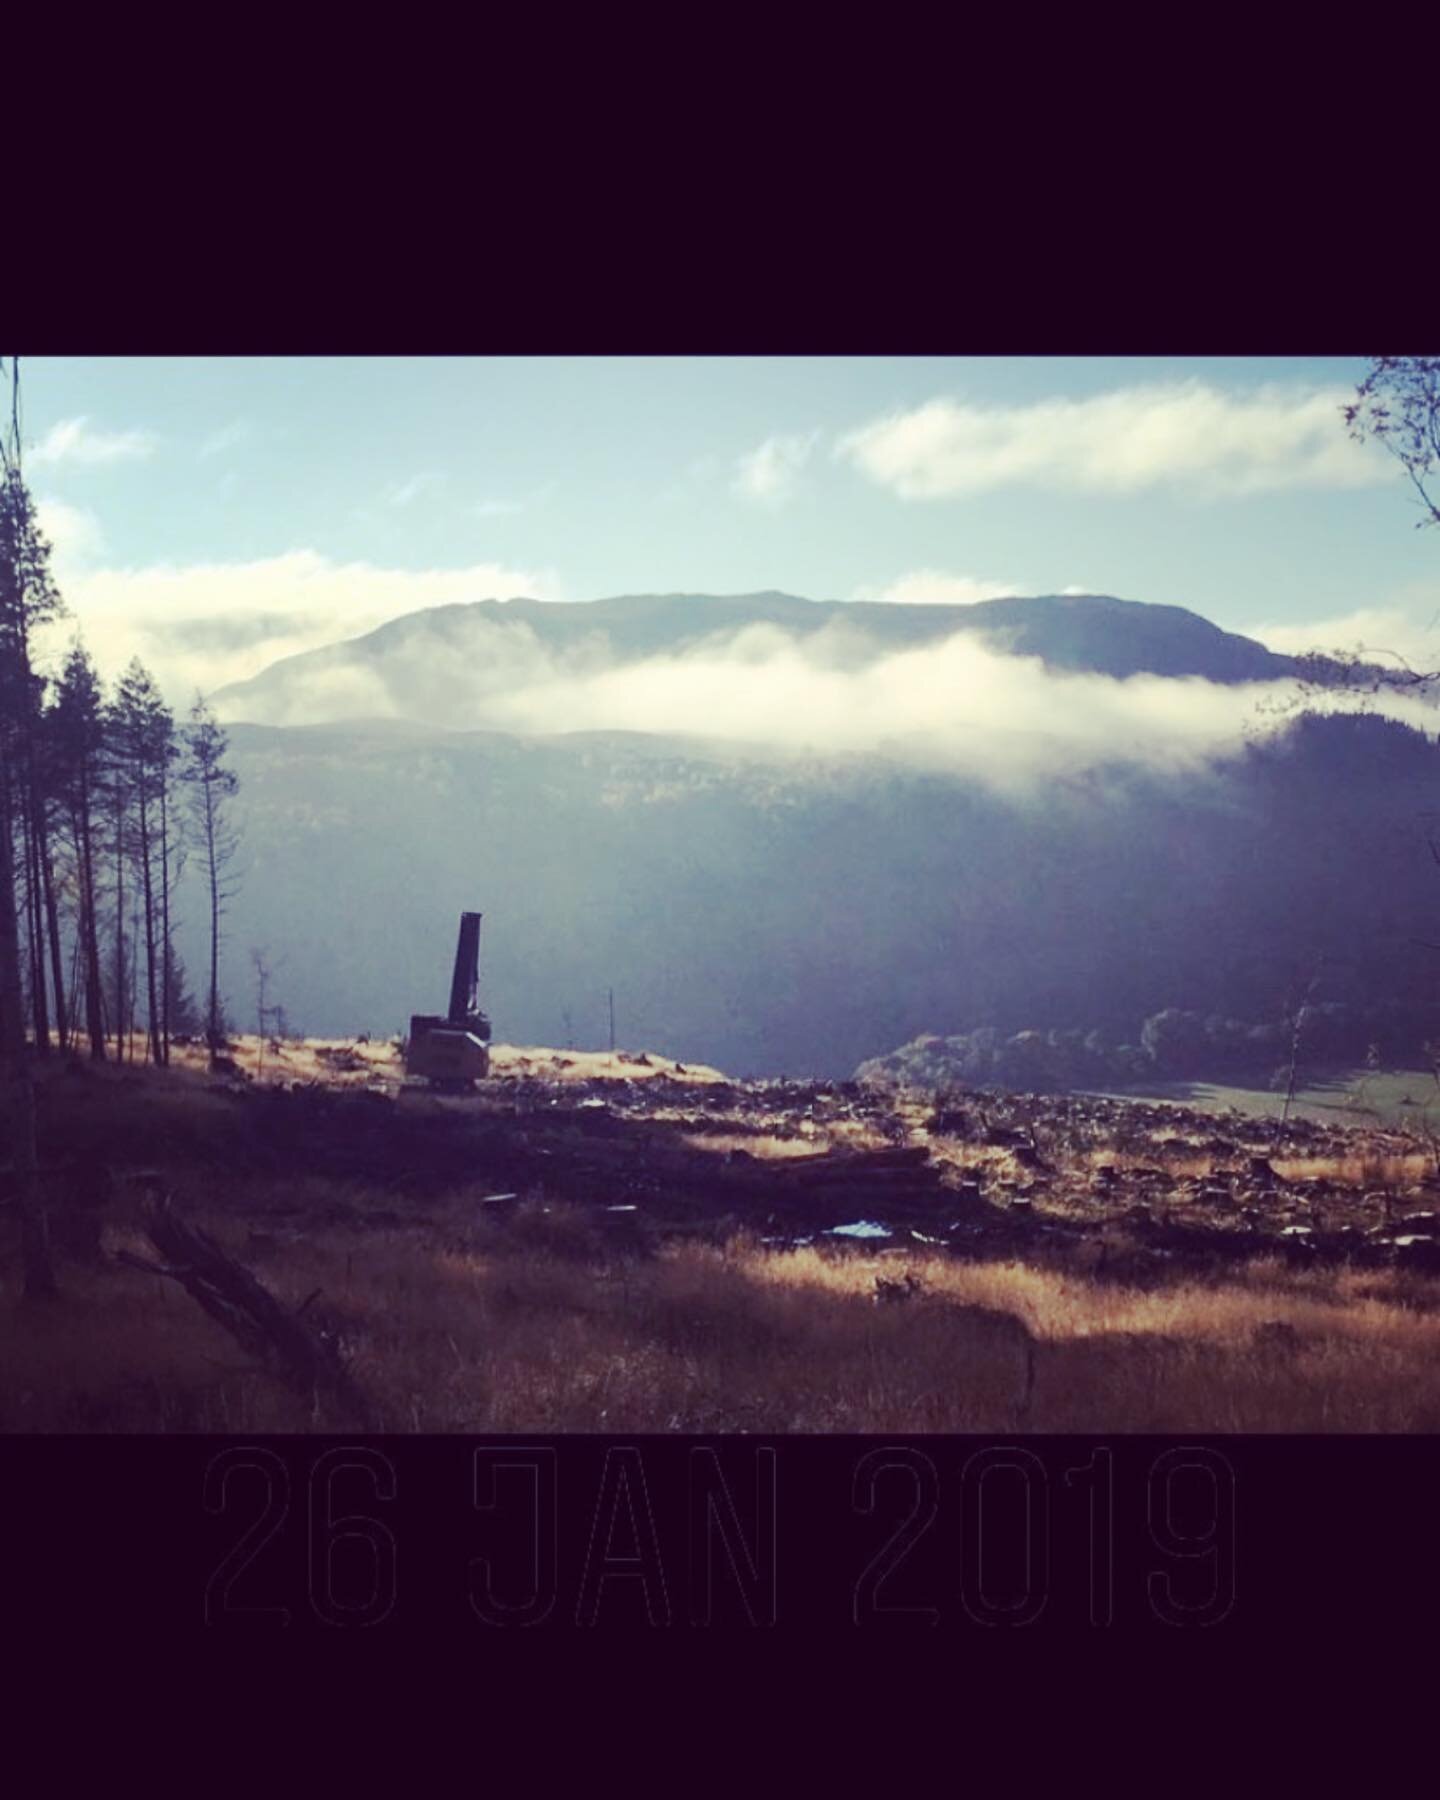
(791, 852)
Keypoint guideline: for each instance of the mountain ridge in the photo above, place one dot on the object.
(1078, 633)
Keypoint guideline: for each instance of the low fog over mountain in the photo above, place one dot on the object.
(528, 665)
(1083, 811)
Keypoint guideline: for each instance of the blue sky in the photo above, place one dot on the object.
(215, 514)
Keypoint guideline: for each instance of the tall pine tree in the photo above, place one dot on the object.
(77, 744)
(144, 738)
(212, 784)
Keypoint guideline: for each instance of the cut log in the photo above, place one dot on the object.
(284, 1342)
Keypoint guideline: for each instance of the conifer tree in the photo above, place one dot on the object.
(211, 785)
(77, 742)
(144, 743)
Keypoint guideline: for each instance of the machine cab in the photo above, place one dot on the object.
(454, 1050)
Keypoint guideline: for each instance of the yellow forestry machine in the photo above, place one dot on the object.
(454, 1051)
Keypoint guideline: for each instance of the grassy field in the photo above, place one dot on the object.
(456, 1315)
(537, 1327)
(1404, 1097)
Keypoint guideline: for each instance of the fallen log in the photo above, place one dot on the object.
(880, 1165)
(284, 1343)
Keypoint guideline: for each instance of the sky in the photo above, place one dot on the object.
(214, 515)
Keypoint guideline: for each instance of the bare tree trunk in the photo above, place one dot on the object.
(57, 960)
(131, 995)
(1297, 1021)
(34, 1233)
(119, 935)
(214, 926)
(75, 987)
(52, 918)
(152, 1016)
(166, 951)
(35, 933)
(94, 992)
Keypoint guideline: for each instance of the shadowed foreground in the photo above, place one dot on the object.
(546, 1333)
(468, 1267)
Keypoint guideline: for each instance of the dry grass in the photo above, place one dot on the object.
(1196, 1164)
(1372, 1171)
(305, 1059)
(538, 1325)
(1367, 1170)
(298, 1060)
(597, 1065)
(457, 1321)
(761, 1144)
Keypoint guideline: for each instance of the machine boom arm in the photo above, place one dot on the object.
(465, 983)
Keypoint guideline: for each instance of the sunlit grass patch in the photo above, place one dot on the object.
(535, 1318)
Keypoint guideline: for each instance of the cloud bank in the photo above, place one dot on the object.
(1175, 434)
(955, 706)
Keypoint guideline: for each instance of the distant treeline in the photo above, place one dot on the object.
(1171, 1045)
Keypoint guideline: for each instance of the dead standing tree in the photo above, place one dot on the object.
(212, 785)
(144, 733)
(1296, 1021)
(172, 867)
(118, 789)
(268, 1017)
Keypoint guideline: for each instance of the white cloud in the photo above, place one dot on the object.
(74, 533)
(1383, 633)
(932, 587)
(771, 473)
(956, 702)
(404, 492)
(204, 625)
(76, 441)
(1182, 434)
